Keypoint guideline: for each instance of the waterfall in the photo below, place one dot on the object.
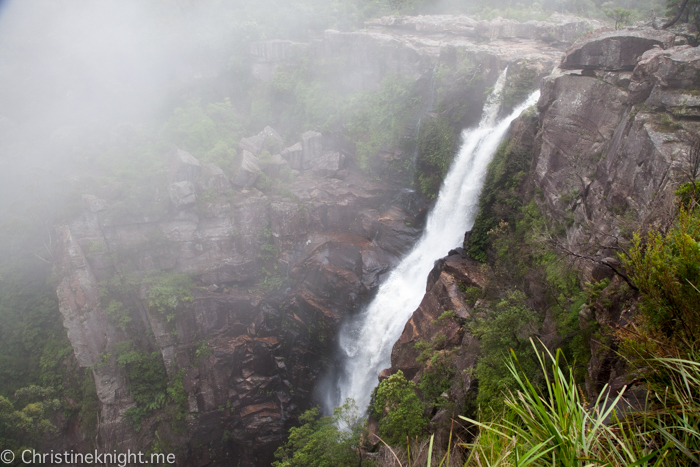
(366, 341)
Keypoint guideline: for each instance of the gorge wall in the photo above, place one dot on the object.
(601, 158)
(236, 286)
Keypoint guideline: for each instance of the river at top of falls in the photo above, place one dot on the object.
(366, 341)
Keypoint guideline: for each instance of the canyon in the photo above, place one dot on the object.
(275, 272)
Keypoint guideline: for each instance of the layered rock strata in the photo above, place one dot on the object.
(274, 276)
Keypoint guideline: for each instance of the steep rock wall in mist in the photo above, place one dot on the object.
(265, 345)
(275, 272)
(609, 145)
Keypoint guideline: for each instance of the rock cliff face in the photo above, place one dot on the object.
(617, 144)
(275, 272)
(615, 128)
(320, 250)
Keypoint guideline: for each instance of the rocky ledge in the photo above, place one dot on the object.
(274, 274)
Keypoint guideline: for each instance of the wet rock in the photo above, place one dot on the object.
(252, 144)
(295, 156)
(438, 324)
(328, 164)
(615, 50)
(248, 171)
(267, 140)
(667, 79)
(212, 179)
(184, 167)
(560, 28)
(182, 194)
(272, 141)
(269, 55)
(275, 166)
(312, 147)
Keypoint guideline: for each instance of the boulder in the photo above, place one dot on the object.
(182, 194)
(93, 203)
(252, 144)
(312, 145)
(295, 156)
(212, 178)
(267, 140)
(327, 165)
(272, 141)
(248, 171)
(615, 50)
(276, 166)
(184, 167)
(666, 72)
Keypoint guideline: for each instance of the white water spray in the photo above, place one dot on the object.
(367, 341)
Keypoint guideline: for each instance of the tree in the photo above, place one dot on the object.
(19, 429)
(675, 19)
(329, 441)
(621, 16)
(399, 409)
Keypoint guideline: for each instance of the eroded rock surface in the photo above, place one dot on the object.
(611, 149)
(615, 50)
(274, 276)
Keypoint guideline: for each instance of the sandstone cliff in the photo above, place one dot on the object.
(276, 271)
(609, 145)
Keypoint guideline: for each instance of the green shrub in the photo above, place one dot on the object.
(399, 409)
(378, 120)
(508, 326)
(435, 151)
(323, 441)
(666, 268)
(167, 292)
(500, 200)
(147, 381)
(24, 428)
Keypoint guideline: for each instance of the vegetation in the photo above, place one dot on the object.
(435, 151)
(399, 409)
(24, 428)
(555, 426)
(149, 385)
(331, 441)
(663, 264)
(167, 292)
(507, 327)
(621, 16)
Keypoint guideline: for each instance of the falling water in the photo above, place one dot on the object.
(367, 341)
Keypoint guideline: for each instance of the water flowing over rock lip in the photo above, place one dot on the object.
(366, 342)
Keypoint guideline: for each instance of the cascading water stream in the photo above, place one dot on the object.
(366, 342)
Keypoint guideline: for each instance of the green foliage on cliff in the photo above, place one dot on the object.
(520, 86)
(210, 132)
(399, 409)
(435, 151)
(167, 292)
(506, 327)
(146, 378)
(330, 441)
(378, 120)
(500, 200)
(34, 349)
(666, 268)
(436, 379)
(23, 428)
(458, 81)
